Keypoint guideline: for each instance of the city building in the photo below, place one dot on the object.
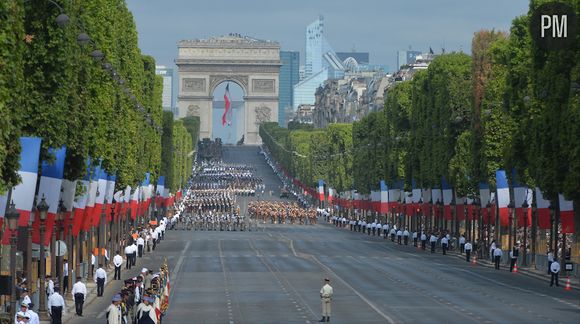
(406, 57)
(360, 57)
(167, 101)
(289, 77)
(321, 63)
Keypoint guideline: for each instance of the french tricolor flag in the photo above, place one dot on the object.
(384, 207)
(330, 195)
(394, 196)
(521, 194)
(375, 200)
(68, 197)
(503, 196)
(111, 180)
(320, 190)
(459, 207)
(426, 196)
(566, 214)
(134, 203)
(543, 210)
(80, 204)
(408, 196)
(23, 193)
(436, 199)
(49, 188)
(160, 190)
(416, 197)
(102, 177)
(447, 198)
(90, 208)
(127, 200)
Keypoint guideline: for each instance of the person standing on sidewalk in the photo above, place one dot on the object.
(467, 251)
(433, 241)
(550, 260)
(514, 253)
(399, 236)
(415, 238)
(56, 306)
(128, 254)
(444, 244)
(462, 243)
(491, 251)
(406, 236)
(554, 271)
(140, 245)
(79, 292)
(134, 255)
(64, 276)
(100, 279)
(326, 293)
(118, 262)
(423, 240)
(497, 253)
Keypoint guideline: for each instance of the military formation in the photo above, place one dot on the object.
(279, 212)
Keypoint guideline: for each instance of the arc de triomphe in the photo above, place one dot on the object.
(253, 64)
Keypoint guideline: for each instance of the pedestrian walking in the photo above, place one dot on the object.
(399, 236)
(513, 258)
(467, 251)
(423, 240)
(415, 238)
(128, 254)
(100, 279)
(497, 253)
(326, 293)
(406, 237)
(56, 306)
(79, 292)
(393, 232)
(64, 276)
(118, 262)
(444, 244)
(140, 245)
(385, 230)
(134, 254)
(554, 270)
(491, 250)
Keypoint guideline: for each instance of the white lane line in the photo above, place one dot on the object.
(178, 266)
(372, 305)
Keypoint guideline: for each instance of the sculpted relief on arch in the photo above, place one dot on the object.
(214, 80)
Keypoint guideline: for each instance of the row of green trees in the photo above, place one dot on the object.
(510, 105)
(310, 155)
(177, 143)
(52, 87)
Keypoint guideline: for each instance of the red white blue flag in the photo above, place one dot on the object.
(503, 196)
(228, 105)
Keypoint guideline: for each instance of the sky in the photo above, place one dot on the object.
(380, 27)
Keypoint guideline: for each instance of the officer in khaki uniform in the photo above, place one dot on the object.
(326, 297)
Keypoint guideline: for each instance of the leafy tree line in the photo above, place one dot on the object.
(510, 105)
(51, 87)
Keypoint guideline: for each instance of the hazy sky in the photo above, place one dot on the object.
(380, 27)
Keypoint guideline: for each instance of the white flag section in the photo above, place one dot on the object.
(416, 195)
(23, 193)
(484, 195)
(127, 194)
(3, 206)
(68, 194)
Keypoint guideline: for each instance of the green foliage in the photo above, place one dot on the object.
(11, 88)
(167, 149)
(192, 123)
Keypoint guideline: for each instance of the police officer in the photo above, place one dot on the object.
(406, 236)
(423, 240)
(497, 253)
(444, 244)
(399, 236)
(467, 251)
(326, 297)
(462, 243)
(433, 241)
(554, 271)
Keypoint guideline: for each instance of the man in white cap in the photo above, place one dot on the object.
(32, 316)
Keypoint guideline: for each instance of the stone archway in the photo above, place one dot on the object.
(253, 64)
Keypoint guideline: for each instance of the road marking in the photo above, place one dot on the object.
(371, 304)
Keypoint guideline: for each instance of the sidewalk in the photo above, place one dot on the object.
(527, 271)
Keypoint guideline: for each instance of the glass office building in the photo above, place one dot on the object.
(289, 77)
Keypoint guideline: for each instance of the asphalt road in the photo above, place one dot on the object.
(274, 275)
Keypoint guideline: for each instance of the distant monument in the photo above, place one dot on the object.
(251, 63)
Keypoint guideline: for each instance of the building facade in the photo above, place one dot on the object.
(406, 57)
(167, 101)
(360, 57)
(289, 77)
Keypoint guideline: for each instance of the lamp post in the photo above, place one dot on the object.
(452, 206)
(59, 220)
(12, 216)
(525, 207)
(43, 212)
(511, 227)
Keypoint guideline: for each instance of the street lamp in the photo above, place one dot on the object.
(43, 213)
(12, 216)
(62, 20)
(59, 223)
(525, 207)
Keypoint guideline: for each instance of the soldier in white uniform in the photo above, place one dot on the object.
(326, 297)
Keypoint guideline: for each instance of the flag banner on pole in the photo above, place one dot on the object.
(321, 190)
(228, 105)
(376, 200)
(459, 207)
(330, 195)
(118, 198)
(23, 193)
(426, 197)
(521, 194)
(134, 203)
(408, 199)
(469, 203)
(127, 200)
(416, 197)
(68, 197)
(394, 196)
(503, 196)
(484, 195)
(80, 203)
(3, 207)
(50, 188)
(111, 180)
(566, 214)
(436, 199)
(160, 190)
(93, 187)
(543, 210)
(447, 198)
(100, 198)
